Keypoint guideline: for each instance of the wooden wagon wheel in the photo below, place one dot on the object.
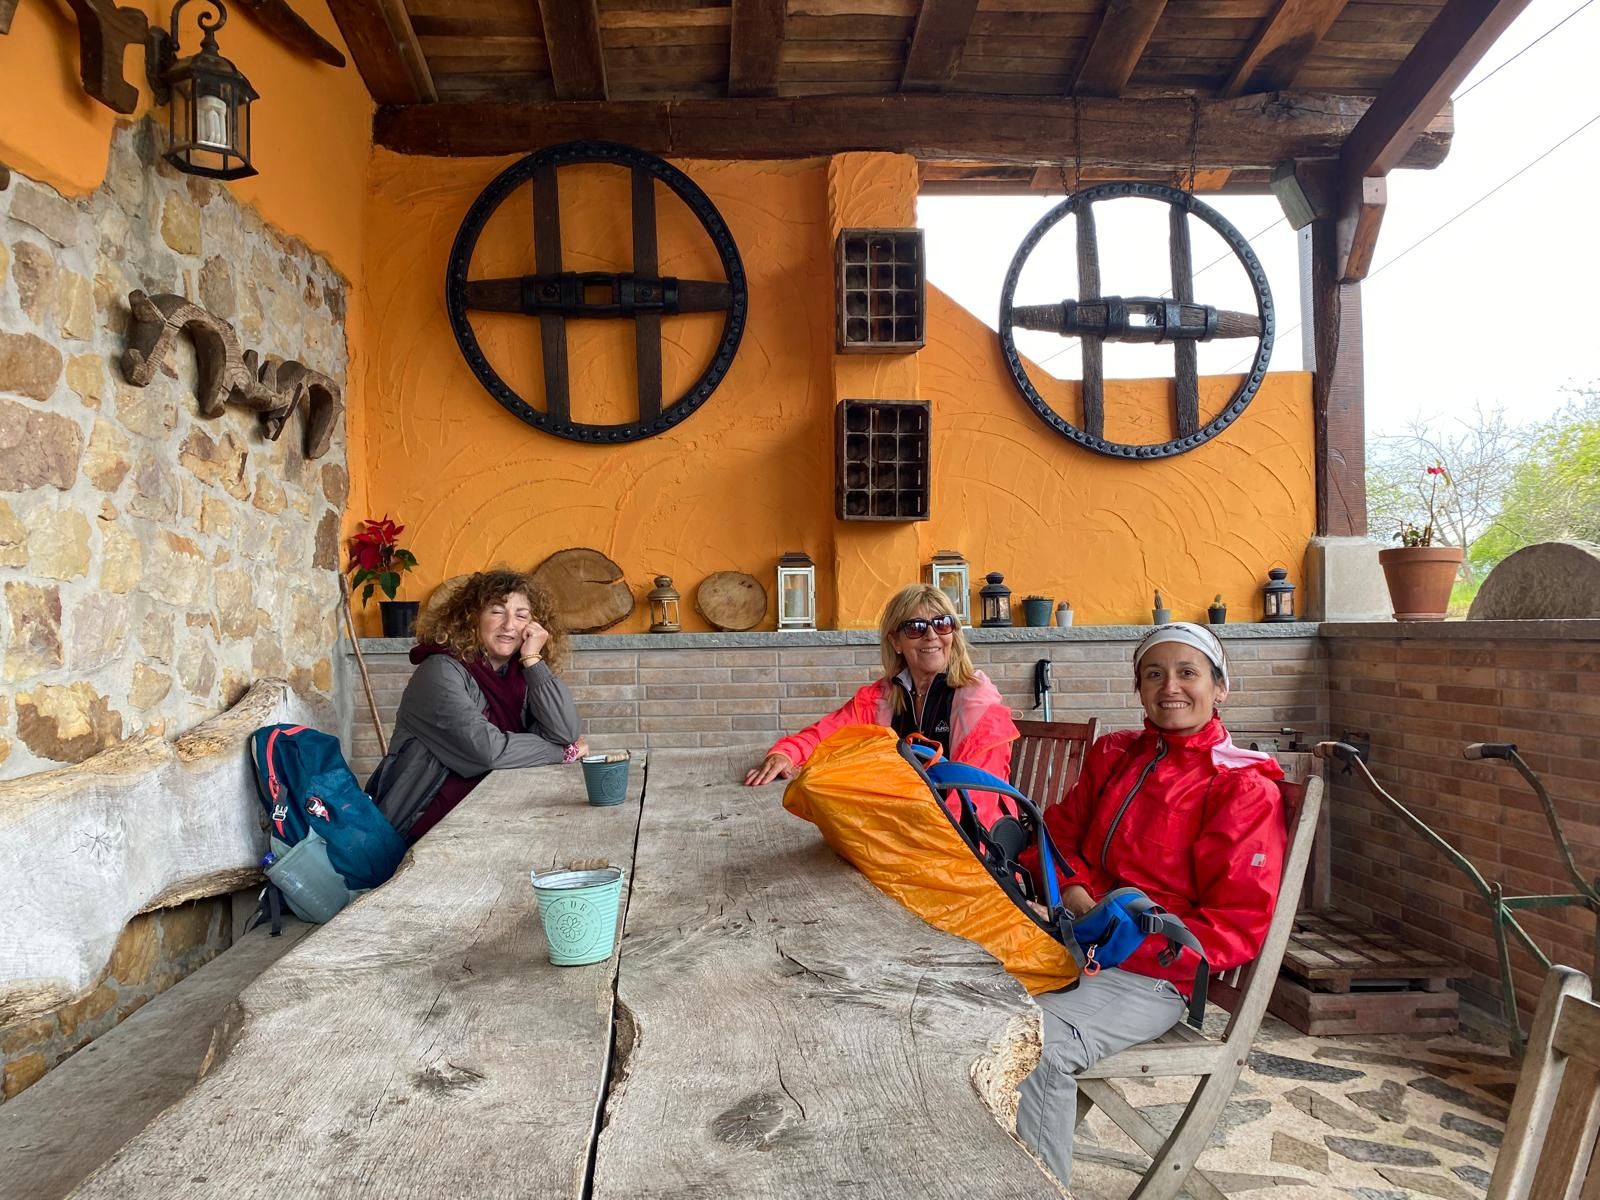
(1096, 318)
(554, 295)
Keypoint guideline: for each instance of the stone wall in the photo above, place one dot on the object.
(153, 562)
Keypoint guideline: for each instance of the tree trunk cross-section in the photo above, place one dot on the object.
(590, 591)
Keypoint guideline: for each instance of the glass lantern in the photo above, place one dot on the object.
(995, 599)
(797, 591)
(948, 573)
(208, 100)
(664, 600)
(1277, 596)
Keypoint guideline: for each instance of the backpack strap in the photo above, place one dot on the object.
(1121, 921)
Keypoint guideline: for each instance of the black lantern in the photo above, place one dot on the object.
(995, 597)
(1277, 596)
(207, 99)
(663, 600)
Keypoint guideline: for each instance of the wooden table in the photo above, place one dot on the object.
(770, 1025)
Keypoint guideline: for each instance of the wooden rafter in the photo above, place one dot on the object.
(386, 50)
(1130, 135)
(936, 44)
(577, 57)
(1125, 30)
(1282, 46)
(755, 47)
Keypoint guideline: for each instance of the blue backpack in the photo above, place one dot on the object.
(305, 784)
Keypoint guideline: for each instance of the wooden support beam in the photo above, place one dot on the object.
(8, 9)
(386, 50)
(105, 31)
(1419, 89)
(1337, 397)
(755, 47)
(1125, 29)
(577, 58)
(1282, 45)
(1360, 217)
(1128, 135)
(936, 44)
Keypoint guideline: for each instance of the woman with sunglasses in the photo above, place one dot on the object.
(929, 686)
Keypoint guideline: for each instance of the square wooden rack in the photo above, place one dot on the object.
(881, 291)
(881, 460)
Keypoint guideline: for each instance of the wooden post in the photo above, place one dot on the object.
(1334, 354)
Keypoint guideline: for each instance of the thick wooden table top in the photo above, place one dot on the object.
(780, 1029)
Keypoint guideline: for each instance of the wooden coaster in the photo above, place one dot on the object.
(588, 588)
(731, 600)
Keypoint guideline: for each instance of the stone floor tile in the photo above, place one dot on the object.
(1328, 1110)
(1388, 1101)
(1429, 1185)
(1291, 1151)
(1281, 1067)
(1362, 1150)
(1456, 1123)
(1414, 1134)
(1476, 1176)
(1454, 1095)
(1164, 1117)
(1366, 1193)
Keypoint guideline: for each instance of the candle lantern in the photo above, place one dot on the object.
(1277, 596)
(797, 591)
(995, 598)
(663, 600)
(207, 97)
(948, 573)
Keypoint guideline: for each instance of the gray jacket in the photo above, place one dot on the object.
(441, 728)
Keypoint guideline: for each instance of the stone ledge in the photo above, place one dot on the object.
(1476, 631)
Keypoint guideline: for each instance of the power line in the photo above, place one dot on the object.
(1524, 50)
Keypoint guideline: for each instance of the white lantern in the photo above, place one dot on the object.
(948, 573)
(797, 591)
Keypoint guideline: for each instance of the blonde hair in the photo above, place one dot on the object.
(456, 623)
(903, 606)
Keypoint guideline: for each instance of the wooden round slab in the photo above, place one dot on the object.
(588, 588)
(731, 600)
(437, 599)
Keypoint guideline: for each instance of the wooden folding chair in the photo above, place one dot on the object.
(1549, 1151)
(1244, 992)
(1048, 756)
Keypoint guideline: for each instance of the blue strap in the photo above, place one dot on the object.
(961, 776)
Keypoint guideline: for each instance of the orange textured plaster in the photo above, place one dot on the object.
(312, 126)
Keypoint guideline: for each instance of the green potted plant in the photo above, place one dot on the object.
(1036, 611)
(1160, 614)
(1064, 614)
(1217, 614)
(1420, 574)
(377, 560)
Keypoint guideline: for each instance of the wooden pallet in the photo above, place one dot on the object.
(1340, 975)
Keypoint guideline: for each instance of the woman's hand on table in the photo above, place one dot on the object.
(774, 766)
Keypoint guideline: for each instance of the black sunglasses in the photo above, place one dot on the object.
(917, 627)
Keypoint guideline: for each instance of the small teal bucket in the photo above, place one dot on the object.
(579, 912)
(605, 777)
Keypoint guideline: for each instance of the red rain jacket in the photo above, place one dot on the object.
(1194, 822)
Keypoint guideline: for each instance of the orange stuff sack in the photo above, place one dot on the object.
(880, 816)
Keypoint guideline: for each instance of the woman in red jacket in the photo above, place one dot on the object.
(929, 686)
(1196, 823)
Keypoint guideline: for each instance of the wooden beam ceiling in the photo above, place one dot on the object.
(1128, 134)
(1282, 45)
(936, 44)
(1119, 42)
(577, 57)
(755, 47)
(381, 40)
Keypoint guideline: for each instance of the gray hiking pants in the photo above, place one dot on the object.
(1099, 1016)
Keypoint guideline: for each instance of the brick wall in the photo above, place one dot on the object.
(1423, 694)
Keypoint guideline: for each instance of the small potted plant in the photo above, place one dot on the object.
(1036, 611)
(1217, 614)
(1160, 614)
(377, 560)
(1064, 614)
(1420, 574)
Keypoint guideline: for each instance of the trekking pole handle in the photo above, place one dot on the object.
(1489, 750)
(1342, 751)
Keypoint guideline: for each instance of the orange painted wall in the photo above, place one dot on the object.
(749, 475)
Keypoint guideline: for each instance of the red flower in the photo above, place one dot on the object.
(376, 558)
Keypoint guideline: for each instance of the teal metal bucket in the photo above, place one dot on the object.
(605, 777)
(579, 912)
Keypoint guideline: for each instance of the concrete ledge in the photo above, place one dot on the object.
(1475, 631)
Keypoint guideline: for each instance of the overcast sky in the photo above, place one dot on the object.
(1498, 307)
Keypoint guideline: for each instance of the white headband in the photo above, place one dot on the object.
(1189, 634)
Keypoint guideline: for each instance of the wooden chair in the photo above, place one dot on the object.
(1550, 1152)
(1048, 756)
(1244, 992)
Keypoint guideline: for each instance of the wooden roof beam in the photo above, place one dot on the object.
(1282, 45)
(1137, 134)
(385, 47)
(936, 44)
(577, 57)
(755, 47)
(1125, 30)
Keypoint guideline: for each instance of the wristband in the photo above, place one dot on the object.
(532, 659)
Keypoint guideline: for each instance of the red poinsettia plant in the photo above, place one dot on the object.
(1411, 534)
(376, 558)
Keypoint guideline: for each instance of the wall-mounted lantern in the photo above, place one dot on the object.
(797, 591)
(995, 598)
(1277, 596)
(664, 601)
(948, 573)
(207, 97)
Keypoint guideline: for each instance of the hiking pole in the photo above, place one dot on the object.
(361, 665)
(1041, 685)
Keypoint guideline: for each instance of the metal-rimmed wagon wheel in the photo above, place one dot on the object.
(1096, 318)
(556, 296)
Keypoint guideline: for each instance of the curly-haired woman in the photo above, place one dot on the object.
(467, 709)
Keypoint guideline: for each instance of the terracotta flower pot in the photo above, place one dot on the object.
(1420, 579)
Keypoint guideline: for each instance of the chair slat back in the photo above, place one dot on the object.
(1048, 756)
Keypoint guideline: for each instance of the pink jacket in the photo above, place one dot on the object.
(981, 730)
